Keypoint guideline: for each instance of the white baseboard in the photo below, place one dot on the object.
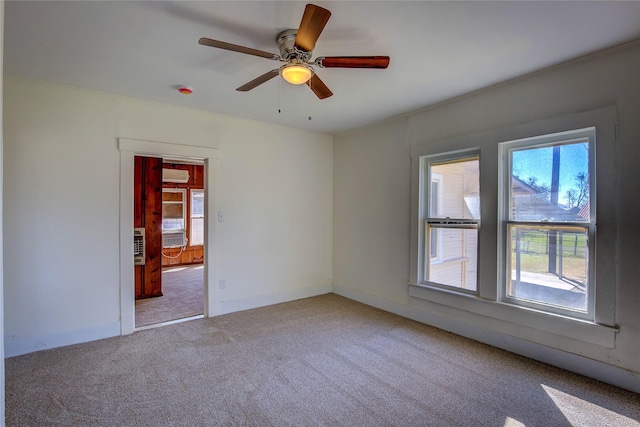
(601, 371)
(225, 307)
(19, 347)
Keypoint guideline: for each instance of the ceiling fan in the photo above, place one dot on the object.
(296, 48)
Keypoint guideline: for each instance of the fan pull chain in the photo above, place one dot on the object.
(309, 100)
(279, 95)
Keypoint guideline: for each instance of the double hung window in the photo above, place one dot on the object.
(173, 218)
(548, 222)
(173, 210)
(527, 261)
(451, 214)
(197, 217)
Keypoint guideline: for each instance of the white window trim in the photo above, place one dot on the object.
(515, 320)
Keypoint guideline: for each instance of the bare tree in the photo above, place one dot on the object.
(542, 190)
(578, 195)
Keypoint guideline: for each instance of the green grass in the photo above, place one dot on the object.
(573, 245)
(572, 267)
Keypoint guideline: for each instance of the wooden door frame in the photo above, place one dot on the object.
(129, 148)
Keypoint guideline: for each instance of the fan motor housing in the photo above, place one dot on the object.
(286, 43)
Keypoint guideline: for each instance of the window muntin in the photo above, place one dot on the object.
(197, 217)
(451, 227)
(548, 224)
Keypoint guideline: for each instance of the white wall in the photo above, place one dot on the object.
(372, 184)
(1, 231)
(62, 207)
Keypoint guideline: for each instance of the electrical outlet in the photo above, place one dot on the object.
(223, 283)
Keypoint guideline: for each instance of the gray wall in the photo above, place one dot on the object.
(372, 198)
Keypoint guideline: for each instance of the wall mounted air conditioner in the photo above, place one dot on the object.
(138, 246)
(179, 176)
(174, 239)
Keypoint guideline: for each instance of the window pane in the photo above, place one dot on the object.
(170, 224)
(171, 196)
(434, 198)
(551, 183)
(459, 189)
(172, 210)
(435, 239)
(197, 231)
(549, 265)
(197, 203)
(457, 263)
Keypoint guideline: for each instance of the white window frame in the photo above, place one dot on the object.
(505, 152)
(426, 218)
(486, 308)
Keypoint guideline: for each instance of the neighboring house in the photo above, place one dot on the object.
(531, 205)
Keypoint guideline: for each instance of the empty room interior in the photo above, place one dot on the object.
(342, 213)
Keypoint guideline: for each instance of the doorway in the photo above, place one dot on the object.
(169, 200)
(129, 148)
(182, 298)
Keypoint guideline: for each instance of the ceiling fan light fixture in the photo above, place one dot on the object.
(296, 74)
(296, 50)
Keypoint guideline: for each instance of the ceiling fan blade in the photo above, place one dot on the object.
(258, 81)
(353, 61)
(318, 87)
(312, 24)
(237, 48)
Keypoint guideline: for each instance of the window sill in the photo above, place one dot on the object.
(521, 317)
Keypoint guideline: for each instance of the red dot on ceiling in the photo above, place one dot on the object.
(185, 90)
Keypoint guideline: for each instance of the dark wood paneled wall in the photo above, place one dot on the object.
(148, 214)
(190, 254)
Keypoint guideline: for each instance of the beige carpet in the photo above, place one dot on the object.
(322, 361)
(183, 296)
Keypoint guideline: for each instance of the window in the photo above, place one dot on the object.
(197, 217)
(452, 189)
(173, 210)
(548, 224)
(538, 229)
(173, 218)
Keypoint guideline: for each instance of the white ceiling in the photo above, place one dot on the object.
(438, 50)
